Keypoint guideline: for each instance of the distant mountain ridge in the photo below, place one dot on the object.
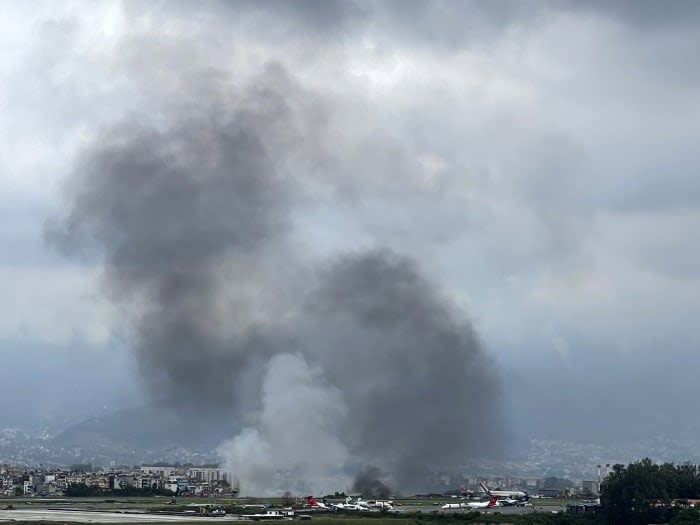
(127, 436)
(148, 434)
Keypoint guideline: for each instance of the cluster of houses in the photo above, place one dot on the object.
(52, 481)
(206, 481)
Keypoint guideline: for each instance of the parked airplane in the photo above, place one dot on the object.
(509, 502)
(492, 502)
(378, 504)
(315, 505)
(355, 506)
(516, 494)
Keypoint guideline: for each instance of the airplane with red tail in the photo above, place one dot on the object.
(492, 502)
(315, 505)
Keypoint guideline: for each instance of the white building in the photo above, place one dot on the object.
(176, 484)
(207, 475)
(163, 471)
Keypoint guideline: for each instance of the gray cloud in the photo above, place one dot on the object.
(645, 15)
(323, 18)
(446, 26)
(536, 159)
(452, 25)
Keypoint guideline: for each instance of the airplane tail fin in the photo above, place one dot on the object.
(311, 501)
(484, 488)
(493, 501)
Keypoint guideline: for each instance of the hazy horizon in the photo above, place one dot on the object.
(481, 211)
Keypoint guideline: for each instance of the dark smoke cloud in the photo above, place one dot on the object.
(193, 214)
(181, 214)
(368, 483)
(420, 392)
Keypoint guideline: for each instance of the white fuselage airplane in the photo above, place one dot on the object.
(315, 505)
(326, 505)
(492, 502)
(515, 494)
(355, 506)
(348, 505)
(377, 504)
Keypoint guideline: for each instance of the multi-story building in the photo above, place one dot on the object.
(212, 475)
(590, 487)
(162, 471)
(176, 484)
(532, 484)
(51, 481)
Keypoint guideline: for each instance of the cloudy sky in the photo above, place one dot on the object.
(536, 159)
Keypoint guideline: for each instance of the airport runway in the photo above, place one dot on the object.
(86, 516)
(548, 509)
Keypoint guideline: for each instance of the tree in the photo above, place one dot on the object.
(688, 481)
(81, 490)
(629, 495)
(686, 517)
(645, 492)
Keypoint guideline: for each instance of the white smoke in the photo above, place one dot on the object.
(291, 443)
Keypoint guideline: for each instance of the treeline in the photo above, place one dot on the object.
(471, 518)
(534, 518)
(645, 492)
(81, 490)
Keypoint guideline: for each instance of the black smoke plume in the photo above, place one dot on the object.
(329, 365)
(183, 217)
(368, 483)
(420, 393)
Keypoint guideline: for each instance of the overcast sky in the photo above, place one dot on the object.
(538, 160)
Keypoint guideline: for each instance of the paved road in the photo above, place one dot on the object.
(504, 510)
(85, 516)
